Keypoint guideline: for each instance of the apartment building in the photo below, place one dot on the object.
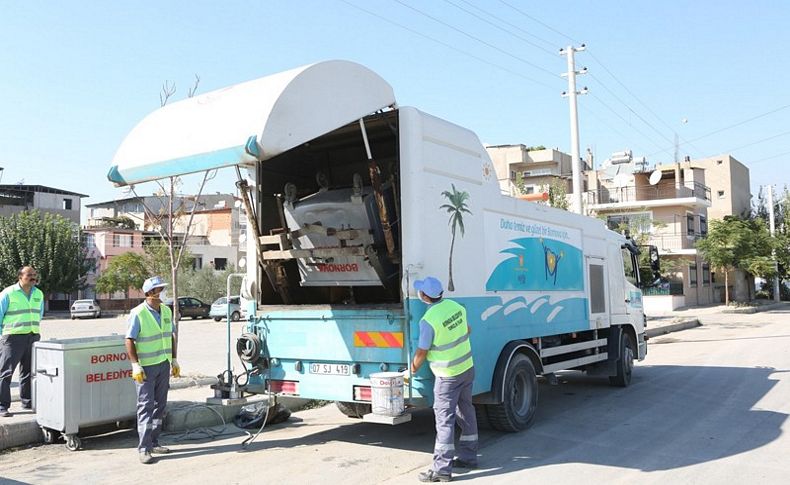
(20, 197)
(536, 168)
(666, 207)
(216, 228)
(103, 244)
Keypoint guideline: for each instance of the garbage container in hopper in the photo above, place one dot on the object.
(81, 382)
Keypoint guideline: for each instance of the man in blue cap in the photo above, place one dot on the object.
(444, 342)
(151, 345)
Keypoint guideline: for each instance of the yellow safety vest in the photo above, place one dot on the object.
(23, 316)
(450, 353)
(154, 344)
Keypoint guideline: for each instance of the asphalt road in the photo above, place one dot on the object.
(709, 405)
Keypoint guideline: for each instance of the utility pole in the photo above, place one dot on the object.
(777, 295)
(571, 94)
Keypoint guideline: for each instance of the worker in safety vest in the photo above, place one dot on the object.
(151, 345)
(21, 310)
(444, 342)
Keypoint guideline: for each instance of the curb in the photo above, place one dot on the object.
(181, 416)
(755, 309)
(673, 327)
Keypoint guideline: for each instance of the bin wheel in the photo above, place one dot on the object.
(73, 442)
(49, 436)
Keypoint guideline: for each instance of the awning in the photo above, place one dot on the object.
(255, 120)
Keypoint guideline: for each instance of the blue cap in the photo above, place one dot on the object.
(430, 286)
(153, 282)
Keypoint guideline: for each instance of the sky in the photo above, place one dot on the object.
(76, 77)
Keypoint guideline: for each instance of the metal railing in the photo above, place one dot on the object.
(635, 193)
(672, 288)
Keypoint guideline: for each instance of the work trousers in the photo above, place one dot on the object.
(16, 350)
(452, 402)
(151, 402)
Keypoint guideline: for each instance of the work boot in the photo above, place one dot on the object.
(459, 463)
(5, 413)
(27, 406)
(432, 476)
(161, 450)
(146, 458)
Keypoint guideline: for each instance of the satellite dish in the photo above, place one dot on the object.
(242, 262)
(655, 177)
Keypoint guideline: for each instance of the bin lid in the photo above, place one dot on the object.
(243, 123)
(82, 342)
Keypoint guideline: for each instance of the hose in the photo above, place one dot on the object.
(251, 351)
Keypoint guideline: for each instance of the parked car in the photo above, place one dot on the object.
(85, 308)
(191, 307)
(219, 309)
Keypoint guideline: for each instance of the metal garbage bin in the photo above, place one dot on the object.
(79, 383)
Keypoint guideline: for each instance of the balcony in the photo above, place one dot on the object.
(691, 194)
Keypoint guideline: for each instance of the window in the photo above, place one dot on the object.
(703, 226)
(705, 274)
(693, 275)
(628, 266)
(530, 189)
(121, 240)
(636, 222)
(512, 175)
(719, 162)
(525, 174)
(197, 263)
(720, 194)
(220, 263)
(690, 224)
(66, 204)
(597, 293)
(90, 240)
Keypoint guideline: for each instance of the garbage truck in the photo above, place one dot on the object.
(350, 198)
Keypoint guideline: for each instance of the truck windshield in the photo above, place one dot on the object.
(629, 267)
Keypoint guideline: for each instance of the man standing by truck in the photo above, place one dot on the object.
(151, 345)
(444, 342)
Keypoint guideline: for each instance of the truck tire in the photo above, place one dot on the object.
(520, 399)
(353, 409)
(625, 365)
(481, 415)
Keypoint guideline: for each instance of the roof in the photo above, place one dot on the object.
(37, 188)
(248, 122)
(208, 201)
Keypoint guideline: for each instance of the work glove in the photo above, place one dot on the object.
(138, 374)
(175, 369)
(406, 375)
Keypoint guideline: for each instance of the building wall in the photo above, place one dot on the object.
(103, 250)
(46, 202)
(729, 184)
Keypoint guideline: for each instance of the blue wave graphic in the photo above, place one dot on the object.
(538, 265)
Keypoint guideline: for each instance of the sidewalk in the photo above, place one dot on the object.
(186, 411)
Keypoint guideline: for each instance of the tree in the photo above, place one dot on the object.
(124, 272)
(456, 209)
(557, 193)
(736, 243)
(165, 218)
(50, 243)
(206, 284)
(157, 259)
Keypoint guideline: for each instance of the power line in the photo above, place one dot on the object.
(757, 142)
(740, 123)
(540, 22)
(626, 121)
(492, 46)
(500, 19)
(449, 46)
(770, 158)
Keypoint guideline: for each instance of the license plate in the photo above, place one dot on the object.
(331, 369)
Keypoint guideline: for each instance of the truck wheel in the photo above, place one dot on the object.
(353, 409)
(234, 316)
(481, 415)
(625, 366)
(520, 398)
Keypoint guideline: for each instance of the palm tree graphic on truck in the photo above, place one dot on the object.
(456, 207)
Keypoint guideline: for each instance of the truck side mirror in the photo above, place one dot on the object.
(655, 263)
